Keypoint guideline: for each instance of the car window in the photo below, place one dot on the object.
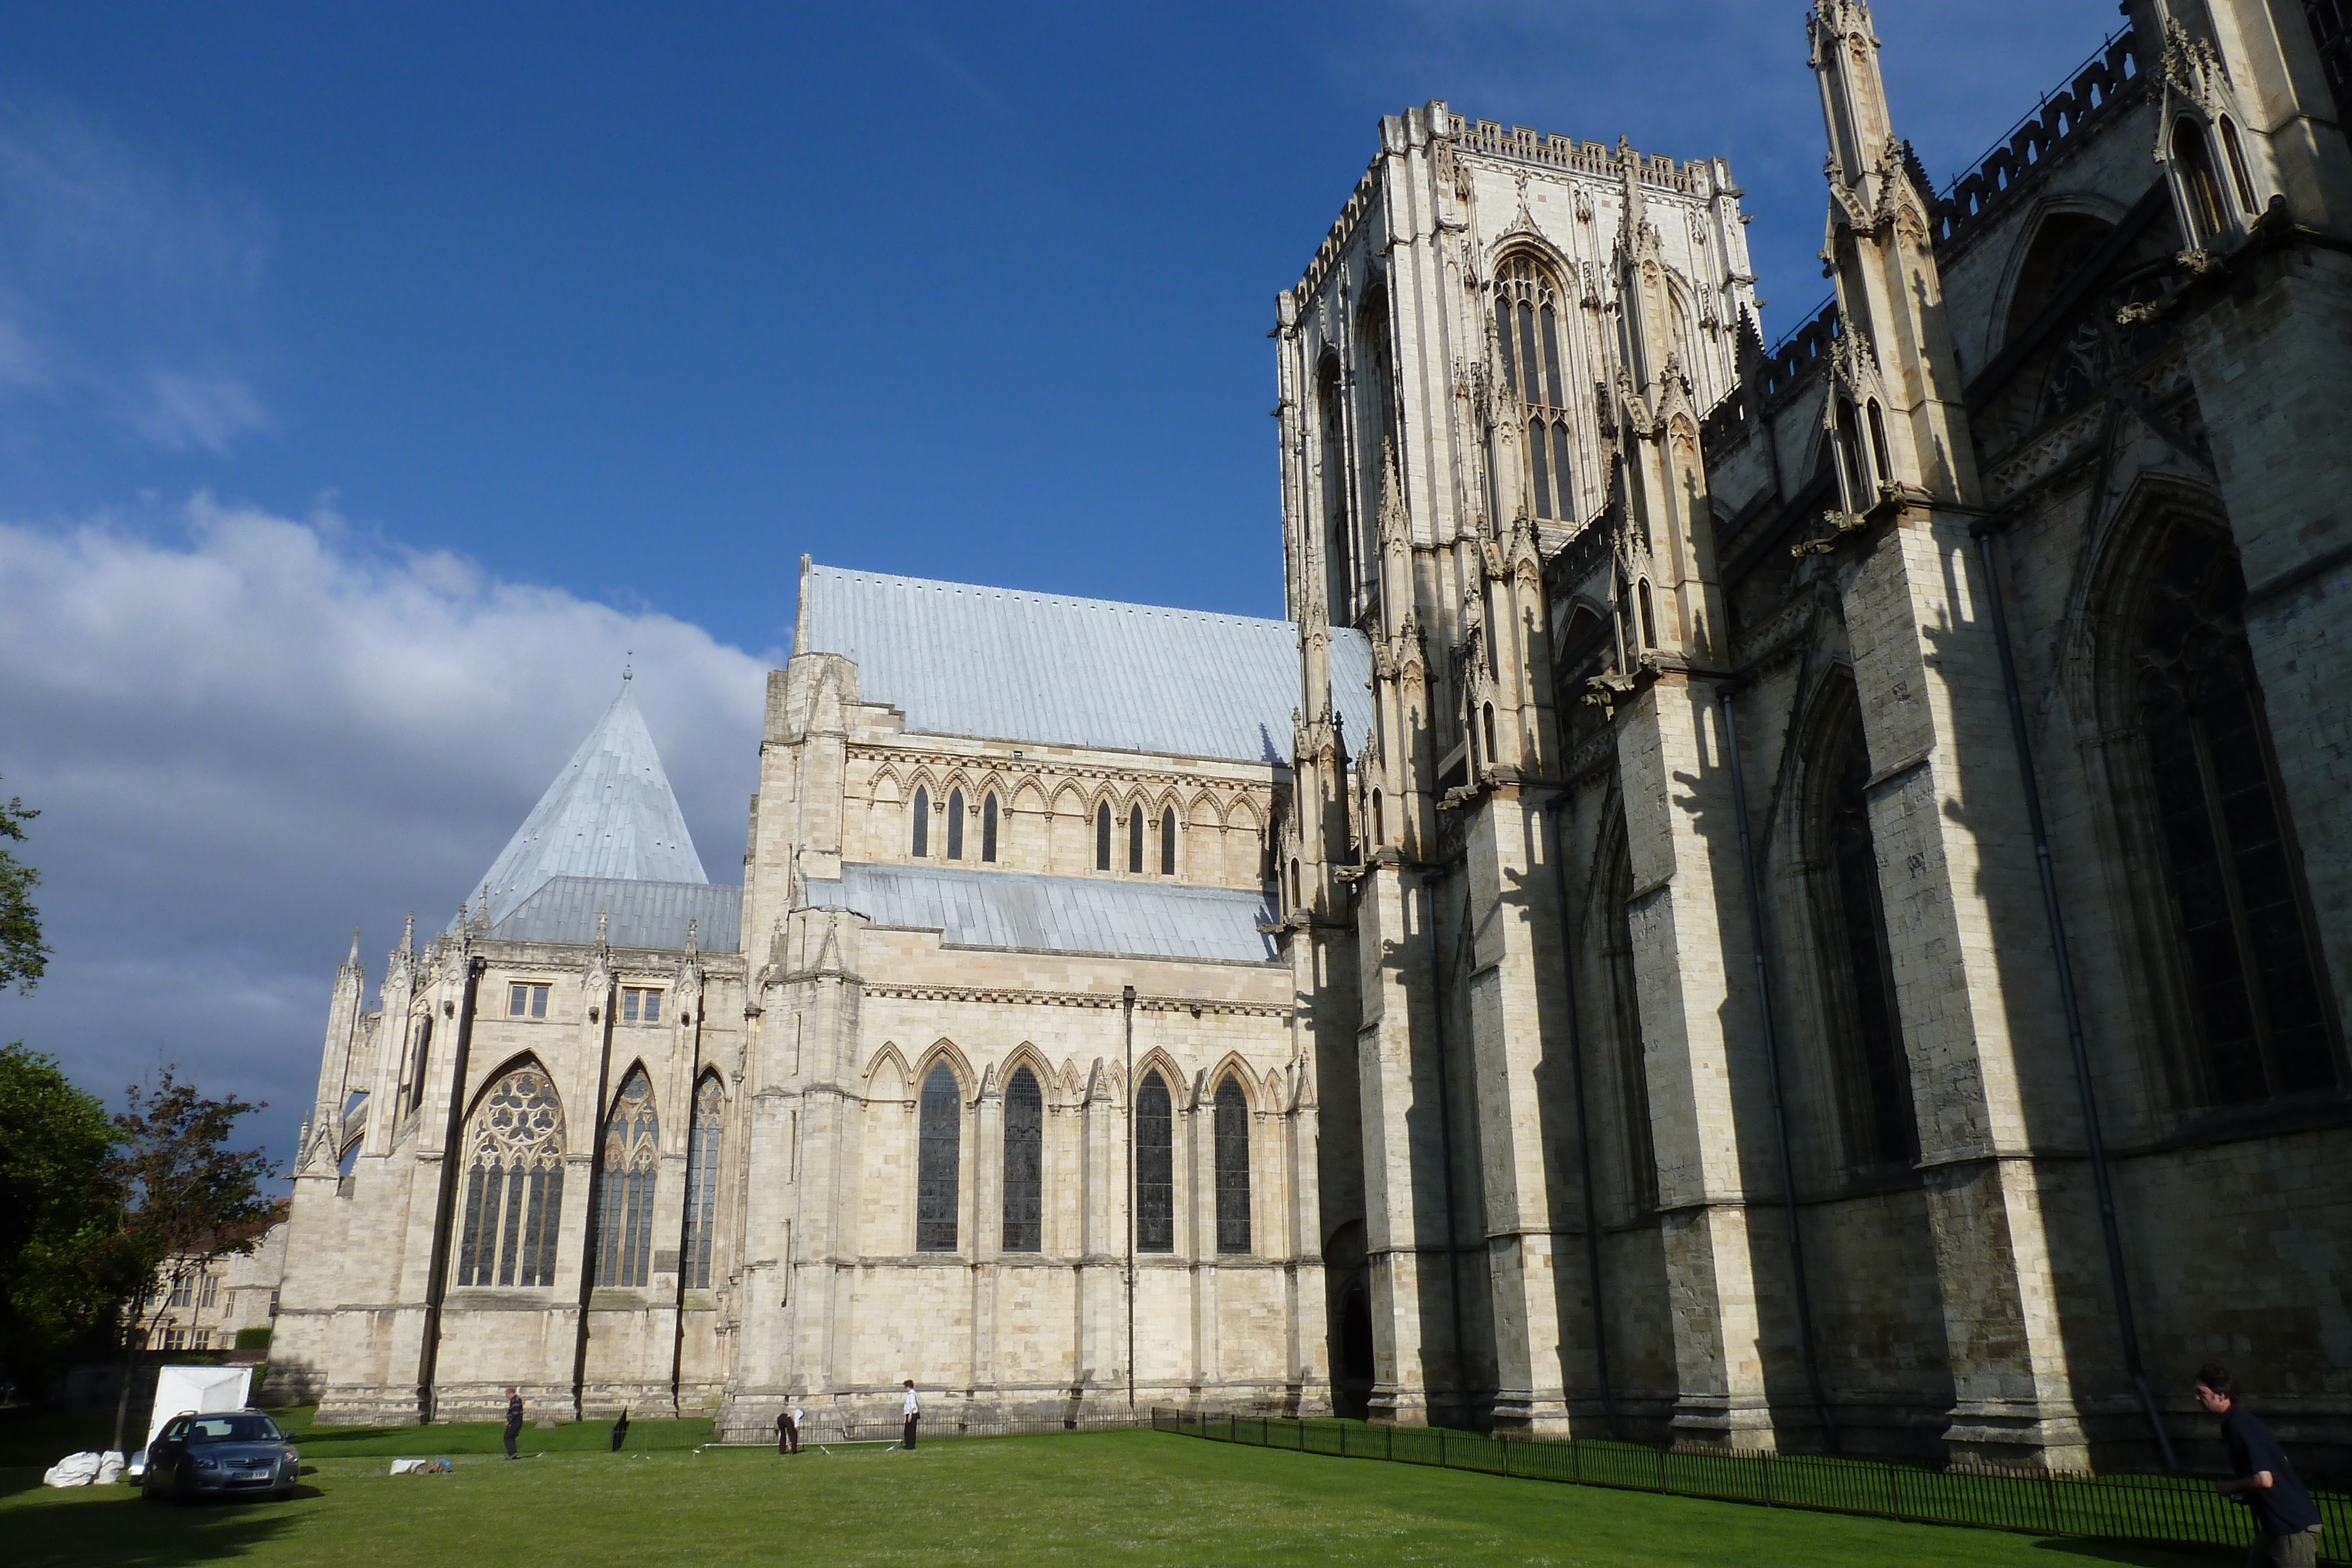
(173, 1432)
(233, 1429)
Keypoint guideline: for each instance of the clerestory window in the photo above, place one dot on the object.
(955, 825)
(1102, 836)
(1528, 332)
(988, 830)
(1167, 840)
(922, 841)
(702, 1181)
(1135, 840)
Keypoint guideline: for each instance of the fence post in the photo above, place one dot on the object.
(1894, 1494)
(1506, 1441)
(1767, 1459)
(1576, 1462)
(1441, 1449)
(1388, 1441)
(2050, 1498)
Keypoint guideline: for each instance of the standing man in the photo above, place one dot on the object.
(514, 1420)
(2287, 1525)
(912, 1409)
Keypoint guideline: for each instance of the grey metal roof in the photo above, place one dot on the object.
(637, 914)
(610, 813)
(1056, 914)
(998, 663)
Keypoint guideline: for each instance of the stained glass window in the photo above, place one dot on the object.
(1526, 299)
(1135, 838)
(702, 1181)
(1233, 1167)
(923, 845)
(988, 829)
(514, 1184)
(1102, 837)
(939, 1147)
(1167, 840)
(632, 1158)
(955, 825)
(1025, 1153)
(1155, 1168)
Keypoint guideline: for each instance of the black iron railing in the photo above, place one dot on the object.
(2162, 1510)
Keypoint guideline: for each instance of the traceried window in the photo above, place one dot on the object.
(514, 1184)
(1155, 1167)
(1167, 840)
(1135, 840)
(526, 1001)
(625, 1215)
(1102, 836)
(1529, 327)
(2202, 191)
(955, 825)
(2256, 983)
(922, 842)
(938, 1153)
(640, 1004)
(1866, 1029)
(988, 830)
(1233, 1131)
(1024, 1156)
(702, 1181)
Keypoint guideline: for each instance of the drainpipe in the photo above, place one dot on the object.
(1127, 1000)
(2126, 1325)
(1803, 1298)
(1556, 808)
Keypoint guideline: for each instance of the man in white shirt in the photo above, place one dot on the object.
(912, 1409)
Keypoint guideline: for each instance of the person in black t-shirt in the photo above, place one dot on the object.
(514, 1421)
(2287, 1525)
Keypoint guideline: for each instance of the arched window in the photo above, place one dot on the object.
(1167, 840)
(702, 1180)
(1025, 1162)
(1294, 884)
(1155, 1167)
(514, 1184)
(922, 821)
(2256, 983)
(1488, 714)
(1380, 828)
(1866, 1029)
(1233, 1167)
(1339, 531)
(1102, 836)
(423, 1055)
(624, 1216)
(1528, 331)
(1878, 444)
(938, 1153)
(1849, 446)
(988, 829)
(955, 825)
(2197, 188)
(1649, 616)
(1135, 840)
(2236, 152)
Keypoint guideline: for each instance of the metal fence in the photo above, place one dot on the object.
(2162, 1510)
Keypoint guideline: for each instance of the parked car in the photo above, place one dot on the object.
(231, 1453)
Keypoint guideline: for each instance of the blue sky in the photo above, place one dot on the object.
(371, 375)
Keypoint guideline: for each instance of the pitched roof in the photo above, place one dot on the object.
(610, 813)
(1000, 664)
(636, 913)
(1026, 913)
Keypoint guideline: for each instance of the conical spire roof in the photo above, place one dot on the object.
(610, 813)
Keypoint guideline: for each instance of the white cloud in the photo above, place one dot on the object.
(179, 412)
(249, 736)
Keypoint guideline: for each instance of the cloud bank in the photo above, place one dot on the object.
(249, 734)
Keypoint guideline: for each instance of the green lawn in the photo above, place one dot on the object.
(1090, 1498)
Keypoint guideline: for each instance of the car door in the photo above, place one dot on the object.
(168, 1451)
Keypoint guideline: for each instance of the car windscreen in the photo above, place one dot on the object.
(233, 1429)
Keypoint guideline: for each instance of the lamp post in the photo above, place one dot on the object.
(1126, 1000)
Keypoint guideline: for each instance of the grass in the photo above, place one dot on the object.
(1092, 1499)
(40, 1440)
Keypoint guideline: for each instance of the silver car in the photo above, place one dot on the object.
(233, 1453)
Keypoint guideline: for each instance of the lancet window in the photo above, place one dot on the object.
(988, 829)
(1167, 840)
(1232, 1134)
(2256, 983)
(938, 1160)
(1339, 531)
(1025, 1162)
(2193, 158)
(1155, 1167)
(922, 842)
(702, 1181)
(1135, 840)
(514, 1184)
(416, 1066)
(625, 1210)
(955, 825)
(1528, 332)
(1102, 836)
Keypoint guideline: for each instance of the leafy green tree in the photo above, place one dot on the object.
(23, 959)
(59, 1207)
(188, 1199)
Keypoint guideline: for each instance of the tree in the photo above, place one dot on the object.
(23, 959)
(187, 1201)
(58, 1205)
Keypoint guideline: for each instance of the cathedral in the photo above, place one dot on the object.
(1791, 898)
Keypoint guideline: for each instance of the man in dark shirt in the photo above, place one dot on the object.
(514, 1420)
(2286, 1525)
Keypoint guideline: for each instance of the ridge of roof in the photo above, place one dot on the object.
(1007, 663)
(610, 814)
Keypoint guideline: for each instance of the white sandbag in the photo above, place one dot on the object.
(420, 1467)
(110, 1467)
(73, 1471)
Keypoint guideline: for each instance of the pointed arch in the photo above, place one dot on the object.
(1024, 1155)
(1028, 797)
(1049, 1077)
(945, 1050)
(628, 1163)
(1102, 835)
(702, 1150)
(1231, 1117)
(920, 830)
(886, 1076)
(991, 827)
(938, 1155)
(512, 1202)
(1154, 1122)
(1230, 1065)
